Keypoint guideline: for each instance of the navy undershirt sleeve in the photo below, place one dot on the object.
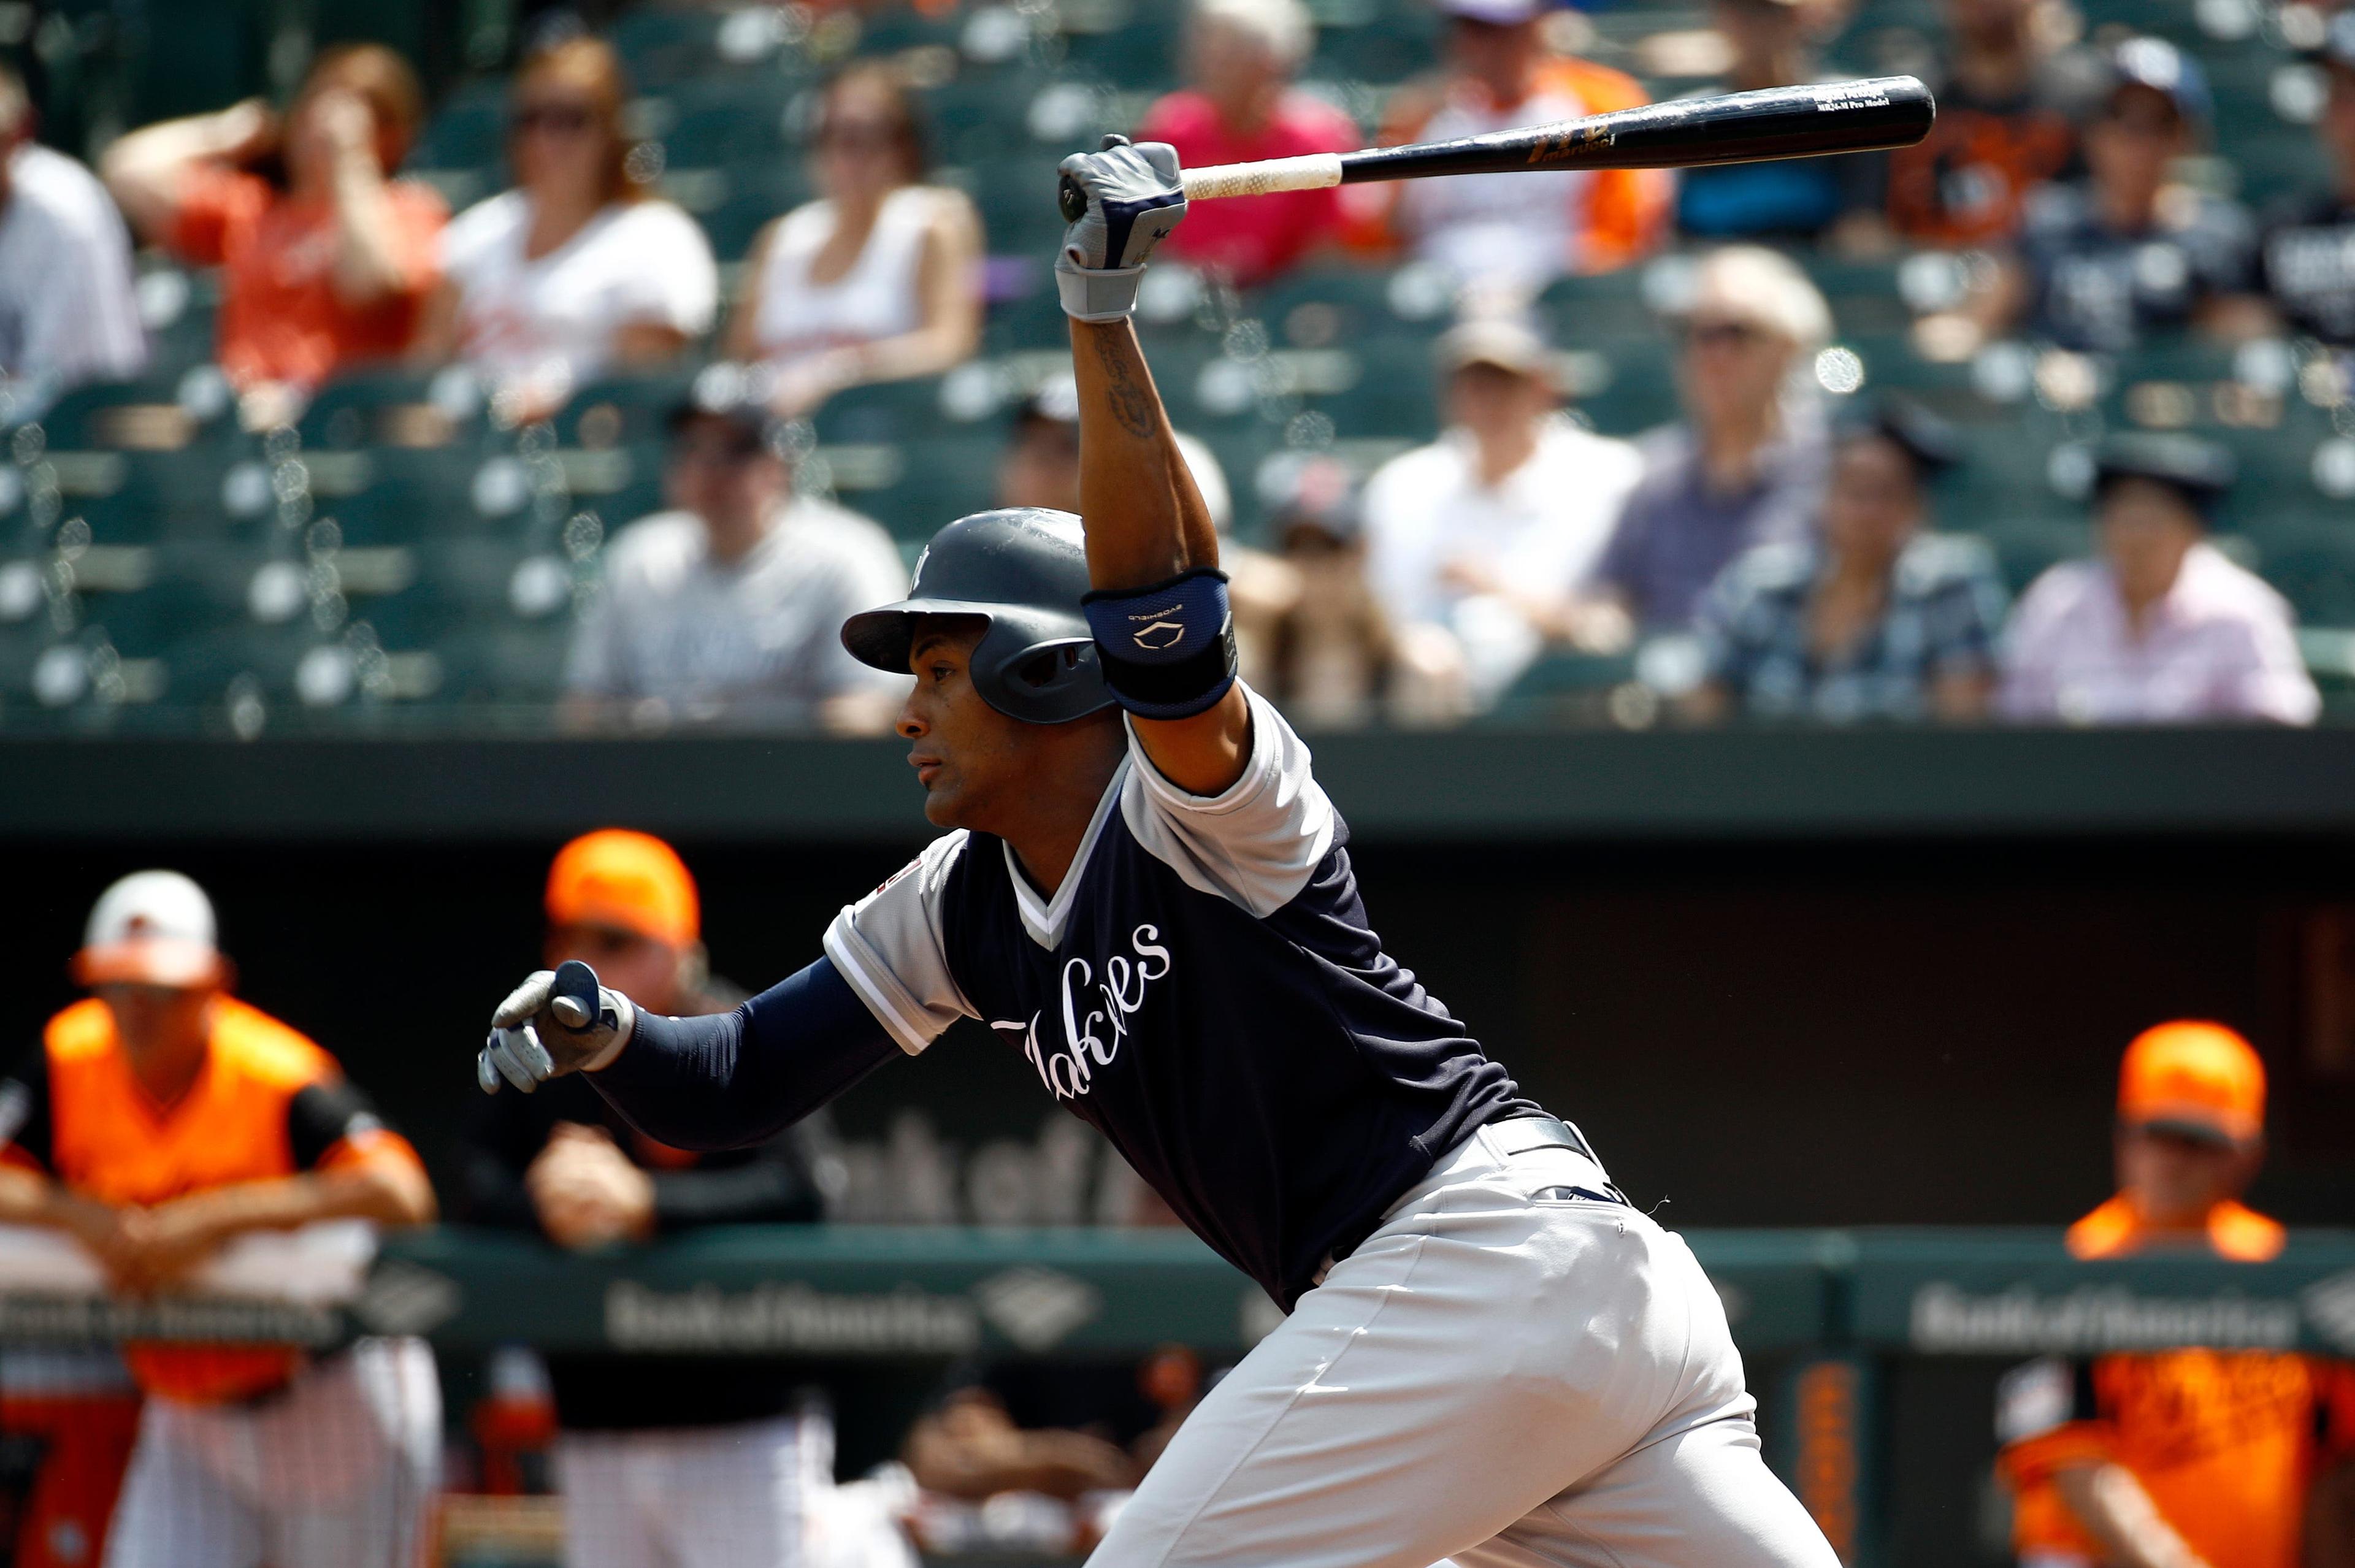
(739, 1078)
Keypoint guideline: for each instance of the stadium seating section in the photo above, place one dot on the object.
(396, 558)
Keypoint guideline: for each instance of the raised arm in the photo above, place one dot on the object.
(1159, 610)
(722, 1081)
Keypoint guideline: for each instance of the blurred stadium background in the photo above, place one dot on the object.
(1849, 1002)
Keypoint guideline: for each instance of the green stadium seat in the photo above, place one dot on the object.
(467, 133)
(1140, 56)
(1563, 685)
(2316, 572)
(2025, 547)
(663, 45)
(727, 120)
(1392, 50)
(753, 197)
(913, 489)
(883, 411)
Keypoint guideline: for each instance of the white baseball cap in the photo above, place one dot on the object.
(1496, 12)
(152, 928)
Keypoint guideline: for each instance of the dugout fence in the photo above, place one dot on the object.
(1874, 1351)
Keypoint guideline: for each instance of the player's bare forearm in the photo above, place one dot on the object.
(387, 1190)
(1147, 522)
(1145, 519)
(2115, 1510)
(27, 1198)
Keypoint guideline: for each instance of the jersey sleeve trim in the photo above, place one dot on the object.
(893, 1004)
(890, 948)
(1256, 844)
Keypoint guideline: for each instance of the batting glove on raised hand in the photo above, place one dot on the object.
(560, 1020)
(1120, 203)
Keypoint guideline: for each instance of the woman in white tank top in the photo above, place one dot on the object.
(878, 280)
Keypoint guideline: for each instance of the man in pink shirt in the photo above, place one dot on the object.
(1242, 55)
(2161, 628)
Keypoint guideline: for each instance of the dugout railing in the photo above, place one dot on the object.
(1837, 1326)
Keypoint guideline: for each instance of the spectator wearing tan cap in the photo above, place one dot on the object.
(161, 1120)
(1746, 467)
(2187, 1457)
(678, 1460)
(1484, 537)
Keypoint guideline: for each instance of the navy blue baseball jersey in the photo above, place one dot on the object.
(1203, 987)
(2309, 261)
(2096, 288)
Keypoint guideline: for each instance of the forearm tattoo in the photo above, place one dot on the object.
(1131, 399)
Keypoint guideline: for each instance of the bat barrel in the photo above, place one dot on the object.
(1870, 115)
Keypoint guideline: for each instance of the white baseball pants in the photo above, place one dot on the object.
(696, 1497)
(338, 1472)
(1503, 1374)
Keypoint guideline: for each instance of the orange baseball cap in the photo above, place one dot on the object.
(631, 880)
(2199, 1079)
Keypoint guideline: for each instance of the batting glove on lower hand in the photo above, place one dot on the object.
(558, 1021)
(1120, 203)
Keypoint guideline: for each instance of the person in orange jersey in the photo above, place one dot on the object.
(2185, 1458)
(161, 1120)
(1501, 236)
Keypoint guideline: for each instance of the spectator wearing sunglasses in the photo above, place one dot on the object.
(724, 611)
(326, 259)
(1746, 467)
(577, 272)
(878, 280)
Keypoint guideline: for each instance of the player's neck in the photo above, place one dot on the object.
(1051, 823)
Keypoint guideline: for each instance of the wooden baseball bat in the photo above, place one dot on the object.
(1865, 116)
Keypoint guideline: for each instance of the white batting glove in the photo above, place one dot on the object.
(546, 1027)
(1120, 203)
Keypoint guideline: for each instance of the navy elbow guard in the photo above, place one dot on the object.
(1167, 650)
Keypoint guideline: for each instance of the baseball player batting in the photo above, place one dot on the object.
(1144, 892)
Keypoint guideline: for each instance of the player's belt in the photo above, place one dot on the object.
(1524, 1134)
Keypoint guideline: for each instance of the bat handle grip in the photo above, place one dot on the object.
(573, 995)
(1316, 171)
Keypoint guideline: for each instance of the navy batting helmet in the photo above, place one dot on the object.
(1023, 571)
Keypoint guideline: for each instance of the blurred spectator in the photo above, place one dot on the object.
(2126, 252)
(1491, 531)
(880, 278)
(328, 260)
(2007, 100)
(1067, 1440)
(1240, 56)
(730, 606)
(67, 312)
(163, 1121)
(1314, 637)
(2186, 1456)
(1041, 466)
(1512, 233)
(1874, 619)
(1836, 201)
(2307, 258)
(702, 1459)
(2162, 628)
(1746, 467)
(577, 272)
